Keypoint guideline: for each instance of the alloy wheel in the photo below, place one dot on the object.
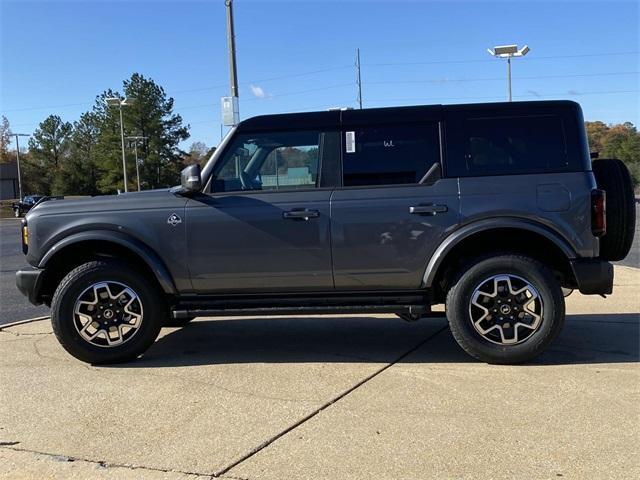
(506, 309)
(108, 314)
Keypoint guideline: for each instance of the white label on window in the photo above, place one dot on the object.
(350, 142)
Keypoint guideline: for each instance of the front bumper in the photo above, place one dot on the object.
(29, 283)
(593, 276)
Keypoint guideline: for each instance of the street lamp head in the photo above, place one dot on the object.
(129, 101)
(523, 51)
(112, 101)
(505, 50)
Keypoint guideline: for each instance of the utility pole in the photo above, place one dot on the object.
(230, 109)
(359, 78)
(231, 41)
(17, 135)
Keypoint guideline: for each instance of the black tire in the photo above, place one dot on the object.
(73, 285)
(613, 177)
(177, 322)
(459, 309)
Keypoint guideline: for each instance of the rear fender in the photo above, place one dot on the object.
(467, 231)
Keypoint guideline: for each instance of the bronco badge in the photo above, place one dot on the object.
(174, 220)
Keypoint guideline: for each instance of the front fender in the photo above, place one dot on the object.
(490, 224)
(153, 261)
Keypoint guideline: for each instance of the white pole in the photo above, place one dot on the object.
(509, 75)
(18, 165)
(135, 149)
(124, 160)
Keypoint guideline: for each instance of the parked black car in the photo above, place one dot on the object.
(22, 207)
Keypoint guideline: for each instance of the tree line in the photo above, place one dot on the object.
(617, 141)
(85, 157)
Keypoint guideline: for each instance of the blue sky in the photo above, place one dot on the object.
(299, 55)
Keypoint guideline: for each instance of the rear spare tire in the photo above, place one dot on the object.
(613, 177)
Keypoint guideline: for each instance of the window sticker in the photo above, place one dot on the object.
(350, 142)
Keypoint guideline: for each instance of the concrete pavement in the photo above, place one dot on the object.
(329, 397)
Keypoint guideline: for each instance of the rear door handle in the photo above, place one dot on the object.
(301, 214)
(428, 209)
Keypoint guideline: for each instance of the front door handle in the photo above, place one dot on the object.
(301, 214)
(428, 209)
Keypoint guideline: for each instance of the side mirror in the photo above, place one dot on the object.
(190, 178)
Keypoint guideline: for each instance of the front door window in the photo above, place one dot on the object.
(270, 161)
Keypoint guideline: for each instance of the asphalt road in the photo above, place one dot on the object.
(14, 307)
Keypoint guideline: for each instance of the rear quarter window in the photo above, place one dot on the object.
(509, 145)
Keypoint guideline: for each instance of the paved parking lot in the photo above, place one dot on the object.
(329, 398)
(13, 305)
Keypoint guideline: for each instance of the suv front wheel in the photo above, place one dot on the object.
(506, 309)
(106, 312)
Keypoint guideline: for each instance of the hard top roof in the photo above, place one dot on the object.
(333, 118)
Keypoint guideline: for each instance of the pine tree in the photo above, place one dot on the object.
(48, 148)
(5, 140)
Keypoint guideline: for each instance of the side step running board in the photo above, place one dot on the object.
(179, 313)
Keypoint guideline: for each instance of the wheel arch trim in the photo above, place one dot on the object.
(458, 236)
(139, 248)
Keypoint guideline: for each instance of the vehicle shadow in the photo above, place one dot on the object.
(585, 339)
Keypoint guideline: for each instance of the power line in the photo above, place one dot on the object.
(547, 57)
(299, 92)
(527, 95)
(536, 77)
(342, 67)
(212, 87)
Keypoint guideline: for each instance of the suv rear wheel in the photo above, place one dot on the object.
(106, 312)
(506, 309)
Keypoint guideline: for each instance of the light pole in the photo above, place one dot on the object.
(508, 52)
(117, 102)
(135, 149)
(17, 135)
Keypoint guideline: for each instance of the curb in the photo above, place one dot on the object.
(21, 322)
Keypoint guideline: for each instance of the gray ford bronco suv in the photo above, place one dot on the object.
(494, 210)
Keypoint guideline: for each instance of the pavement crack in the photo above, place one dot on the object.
(39, 353)
(103, 463)
(326, 405)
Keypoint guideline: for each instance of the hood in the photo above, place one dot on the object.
(124, 201)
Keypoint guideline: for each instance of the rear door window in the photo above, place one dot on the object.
(389, 154)
(508, 145)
